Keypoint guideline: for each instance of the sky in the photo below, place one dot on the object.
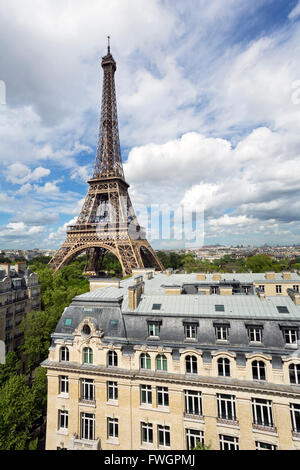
(208, 99)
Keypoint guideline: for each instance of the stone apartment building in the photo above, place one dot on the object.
(162, 360)
(19, 294)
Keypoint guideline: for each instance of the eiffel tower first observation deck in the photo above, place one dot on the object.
(107, 221)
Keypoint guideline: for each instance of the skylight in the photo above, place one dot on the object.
(219, 308)
(282, 309)
(156, 306)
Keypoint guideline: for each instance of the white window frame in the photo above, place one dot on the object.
(112, 388)
(146, 391)
(295, 409)
(255, 334)
(87, 389)
(192, 437)
(230, 441)
(64, 354)
(112, 359)
(113, 425)
(147, 432)
(193, 402)
(278, 289)
(257, 365)
(296, 371)
(259, 406)
(190, 331)
(87, 422)
(163, 394)
(63, 419)
(193, 364)
(164, 432)
(222, 332)
(229, 403)
(153, 329)
(224, 363)
(264, 446)
(63, 385)
(290, 335)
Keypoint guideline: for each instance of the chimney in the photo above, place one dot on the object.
(260, 294)
(270, 275)
(134, 294)
(169, 271)
(20, 267)
(286, 275)
(149, 275)
(217, 277)
(201, 277)
(294, 295)
(6, 267)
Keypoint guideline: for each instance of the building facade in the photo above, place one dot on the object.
(162, 361)
(19, 294)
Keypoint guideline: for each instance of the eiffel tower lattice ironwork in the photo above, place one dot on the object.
(107, 221)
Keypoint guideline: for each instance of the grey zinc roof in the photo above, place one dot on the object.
(105, 294)
(235, 306)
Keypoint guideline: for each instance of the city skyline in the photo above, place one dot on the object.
(208, 94)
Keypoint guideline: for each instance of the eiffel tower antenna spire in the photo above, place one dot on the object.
(108, 44)
(107, 221)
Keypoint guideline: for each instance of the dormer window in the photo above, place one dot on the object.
(64, 354)
(190, 331)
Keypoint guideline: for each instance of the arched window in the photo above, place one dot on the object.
(64, 354)
(258, 370)
(112, 359)
(88, 356)
(294, 371)
(145, 361)
(161, 362)
(191, 366)
(224, 367)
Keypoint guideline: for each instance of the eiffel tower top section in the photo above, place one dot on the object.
(108, 159)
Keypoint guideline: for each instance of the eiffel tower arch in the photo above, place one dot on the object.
(107, 221)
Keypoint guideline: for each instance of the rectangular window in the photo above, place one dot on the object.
(193, 403)
(265, 446)
(296, 288)
(156, 306)
(295, 417)
(112, 428)
(153, 329)
(262, 288)
(63, 419)
(88, 426)
(162, 396)
(255, 334)
(193, 436)
(226, 407)
(278, 289)
(282, 309)
(290, 336)
(219, 308)
(63, 384)
(229, 443)
(262, 412)
(222, 333)
(87, 389)
(112, 391)
(147, 433)
(190, 331)
(164, 436)
(146, 395)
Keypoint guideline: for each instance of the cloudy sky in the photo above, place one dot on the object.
(209, 113)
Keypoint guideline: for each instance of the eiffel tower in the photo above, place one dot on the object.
(107, 221)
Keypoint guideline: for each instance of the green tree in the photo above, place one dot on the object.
(11, 367)
(17, 413)
(201, 446)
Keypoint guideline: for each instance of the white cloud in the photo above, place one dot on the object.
(18, 173)
(295, 11)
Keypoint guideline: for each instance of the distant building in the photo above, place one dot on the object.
(19, 294)
(162, 360)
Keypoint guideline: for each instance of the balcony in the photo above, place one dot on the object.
(195, 417)
(228, 422)
(264, 428)
(82, 444)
